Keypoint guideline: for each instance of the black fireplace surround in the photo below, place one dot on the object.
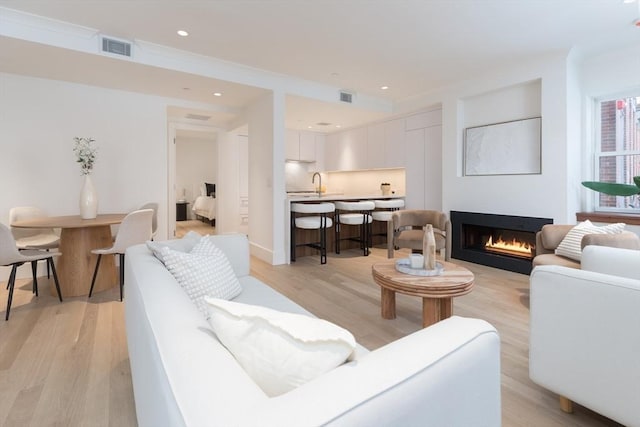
(470, 232)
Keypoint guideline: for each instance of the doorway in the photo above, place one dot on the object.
(192, 164)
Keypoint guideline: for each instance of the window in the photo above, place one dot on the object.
(618, 149)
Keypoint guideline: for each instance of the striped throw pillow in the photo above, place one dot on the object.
(570, 245)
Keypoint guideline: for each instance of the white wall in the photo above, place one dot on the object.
(227, 192)
(487, 99)
(267, 178)
(196, 163)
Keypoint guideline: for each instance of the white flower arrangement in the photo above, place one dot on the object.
(85, 154)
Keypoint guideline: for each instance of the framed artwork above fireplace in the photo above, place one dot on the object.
(509, 148)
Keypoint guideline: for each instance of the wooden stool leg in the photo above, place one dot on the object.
(388, 303)
(566, 405)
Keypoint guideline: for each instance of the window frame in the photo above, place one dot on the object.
(598, 154)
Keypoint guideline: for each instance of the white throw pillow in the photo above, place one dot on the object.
(570, 246)
(186, 244)
(278, 350)
(204, 271)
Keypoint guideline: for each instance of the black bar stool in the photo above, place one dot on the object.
(318, 220)
(355, 213)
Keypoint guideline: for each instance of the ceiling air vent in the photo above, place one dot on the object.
(346, 97)
(117, 47)
(197, 117)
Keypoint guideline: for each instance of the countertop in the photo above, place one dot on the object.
(336, 196)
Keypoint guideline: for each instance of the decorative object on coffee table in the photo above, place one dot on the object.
(429, 248)
(86, 156)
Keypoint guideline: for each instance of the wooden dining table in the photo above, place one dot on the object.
(77, 238)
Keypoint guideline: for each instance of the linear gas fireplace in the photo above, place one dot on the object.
(501, 241)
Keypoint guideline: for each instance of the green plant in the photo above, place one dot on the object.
(85, 154)
(614, 189)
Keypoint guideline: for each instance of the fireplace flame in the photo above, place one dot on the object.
(513, 247)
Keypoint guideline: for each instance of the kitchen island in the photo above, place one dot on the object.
(379, 229)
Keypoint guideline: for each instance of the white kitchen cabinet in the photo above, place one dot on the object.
(433, 168)
(355, 144)
(332, 151)
(394, 144)
(300, 145)
(423, 120)
(423, 168)
(292, 144)
(307, 146)
(319, 165)
(376, 146)
(346, 151)
(415, 169)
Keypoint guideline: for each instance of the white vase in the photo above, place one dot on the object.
(88, 199)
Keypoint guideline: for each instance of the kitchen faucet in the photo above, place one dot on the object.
(313, 179)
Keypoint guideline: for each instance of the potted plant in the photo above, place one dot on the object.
(86, 156)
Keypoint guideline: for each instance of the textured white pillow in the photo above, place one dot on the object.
(203, 271)
(278, 350)
(570, 245)
(186, 244)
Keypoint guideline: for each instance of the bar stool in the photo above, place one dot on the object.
(361, 216)
(311, 222)
(383, 213)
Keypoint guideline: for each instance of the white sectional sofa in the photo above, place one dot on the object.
(445, 375)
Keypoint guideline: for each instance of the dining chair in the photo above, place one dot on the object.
(154, 220)
(32, 238)
(134, 229)
(11, 256)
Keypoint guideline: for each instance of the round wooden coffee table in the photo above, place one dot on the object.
(437, 292)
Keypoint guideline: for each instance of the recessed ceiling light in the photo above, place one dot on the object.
(309, 127)
(384, 87)
(629, 1)
(217, 93)
(338, 126)
(183, 33)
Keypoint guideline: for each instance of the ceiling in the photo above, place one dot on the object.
(411, 46)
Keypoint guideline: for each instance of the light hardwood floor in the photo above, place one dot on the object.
(66, 364)
(200, 227)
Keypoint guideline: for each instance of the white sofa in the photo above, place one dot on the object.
(448, 374)
(585, 339)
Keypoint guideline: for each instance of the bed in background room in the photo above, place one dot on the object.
(204, 207)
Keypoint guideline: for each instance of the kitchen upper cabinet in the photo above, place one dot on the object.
(346, 151)
(415, 169)
(292, 144)
(424, 120)
(376, 146)
(318, 165)
(307, 146)
(398, 143)
(433, 168)
(300, 145)
(394, 144)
